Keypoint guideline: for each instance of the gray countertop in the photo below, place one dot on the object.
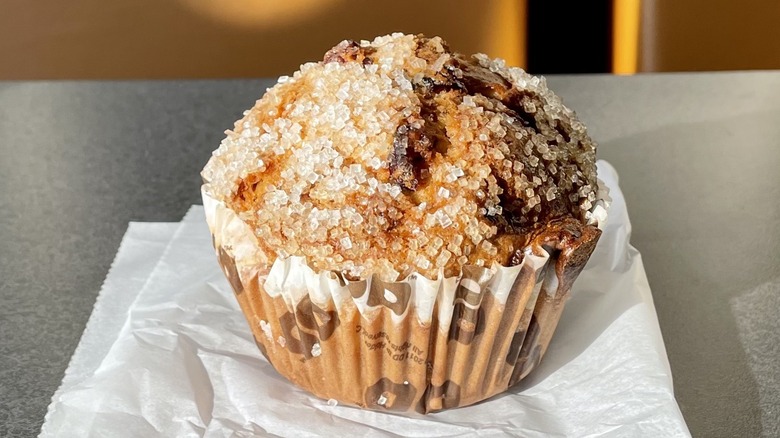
(698, 155)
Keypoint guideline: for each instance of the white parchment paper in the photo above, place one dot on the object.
(167, 353)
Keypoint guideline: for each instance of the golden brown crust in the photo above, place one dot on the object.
(398, 155)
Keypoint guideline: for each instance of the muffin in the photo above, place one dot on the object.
(402, 224)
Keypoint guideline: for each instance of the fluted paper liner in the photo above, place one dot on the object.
(411, 345)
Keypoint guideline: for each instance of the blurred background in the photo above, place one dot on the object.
(141, 39)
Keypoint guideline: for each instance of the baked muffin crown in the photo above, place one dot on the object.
(398, 155)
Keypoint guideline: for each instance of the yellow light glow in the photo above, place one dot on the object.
(625, 36)
(507, 36)
(268, 13)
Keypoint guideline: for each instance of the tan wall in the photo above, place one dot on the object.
(695, 35)
(230, 38)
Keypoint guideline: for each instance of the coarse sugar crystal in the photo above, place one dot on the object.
(315, 168)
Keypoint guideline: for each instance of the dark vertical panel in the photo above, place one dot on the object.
(569, 36)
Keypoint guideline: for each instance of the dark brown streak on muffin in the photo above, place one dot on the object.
(412, 151)
(511, 206)
(415, 142)
(479, 80)
(573, 242)
(432, 127)
(509, 221)
(560, 129)
(418, 138)
(349, 51)
(475, 79)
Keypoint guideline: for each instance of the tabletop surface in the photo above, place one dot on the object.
(698, 156)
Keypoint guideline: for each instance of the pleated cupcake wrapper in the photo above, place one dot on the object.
(410, 345)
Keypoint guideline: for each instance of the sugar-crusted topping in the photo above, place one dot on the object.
(397, 155)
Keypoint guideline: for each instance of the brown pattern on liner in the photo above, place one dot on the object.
(228, 264)
(374, 361)
(391, 294)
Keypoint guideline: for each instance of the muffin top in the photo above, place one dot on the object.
(398, 155)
